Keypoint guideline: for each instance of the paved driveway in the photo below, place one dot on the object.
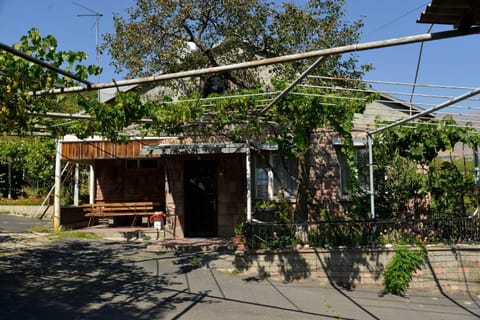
(78, 279)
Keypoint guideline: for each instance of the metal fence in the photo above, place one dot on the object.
(326, 234)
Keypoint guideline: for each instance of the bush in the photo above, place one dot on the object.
(21, 202)
(399, 271)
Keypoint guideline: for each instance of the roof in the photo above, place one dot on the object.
(462, 14)
(108, 95)
(386, 109)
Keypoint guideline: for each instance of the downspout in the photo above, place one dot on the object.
(58, 182)
(370, 168)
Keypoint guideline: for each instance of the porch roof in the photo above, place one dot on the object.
(194, 148)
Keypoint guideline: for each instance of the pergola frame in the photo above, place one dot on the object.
(319, 54)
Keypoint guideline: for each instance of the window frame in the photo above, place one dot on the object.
(361, 148)
(270, 186)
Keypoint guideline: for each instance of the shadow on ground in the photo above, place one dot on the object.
(75, 279)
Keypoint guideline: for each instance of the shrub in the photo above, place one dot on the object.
(399, 271)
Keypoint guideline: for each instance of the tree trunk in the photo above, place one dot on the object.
(303, 193)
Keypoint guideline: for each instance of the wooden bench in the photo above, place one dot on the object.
(120, 209)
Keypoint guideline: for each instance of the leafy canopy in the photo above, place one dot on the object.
(19, 79)
(408, 169)
(31, 164)
(158, 36)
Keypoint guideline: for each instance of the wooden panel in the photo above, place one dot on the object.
(87, 150)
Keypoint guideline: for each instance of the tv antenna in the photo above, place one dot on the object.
(97, 16)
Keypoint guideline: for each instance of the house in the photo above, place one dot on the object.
(207, 186)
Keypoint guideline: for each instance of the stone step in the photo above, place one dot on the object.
(194, 245)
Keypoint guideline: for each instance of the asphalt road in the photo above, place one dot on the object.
(80, 279)
(13, 223)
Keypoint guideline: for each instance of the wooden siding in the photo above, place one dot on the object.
(89, 150)
(85, 150)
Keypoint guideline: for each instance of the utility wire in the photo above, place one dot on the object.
(398, 18)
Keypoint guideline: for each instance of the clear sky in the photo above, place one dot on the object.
(446, 62)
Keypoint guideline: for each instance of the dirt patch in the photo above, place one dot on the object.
(14, 243)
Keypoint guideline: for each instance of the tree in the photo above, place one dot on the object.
(31, 165)
(158, 37)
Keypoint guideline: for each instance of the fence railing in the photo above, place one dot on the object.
(337, 233)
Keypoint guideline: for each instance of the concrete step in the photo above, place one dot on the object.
(194, 245)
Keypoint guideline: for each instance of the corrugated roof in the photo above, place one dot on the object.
(461, 14)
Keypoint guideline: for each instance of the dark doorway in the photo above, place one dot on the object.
(200, 198)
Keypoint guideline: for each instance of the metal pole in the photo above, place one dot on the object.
(475, 160)
(294, 83)
(97, 16)
(428, 111)
(9, 178)
(249, 182)
(52, 189)
(92, 185)
(76, 185)
(276, 60)
(43, 64)
(58, 182)
(370, 167)
(477, 178)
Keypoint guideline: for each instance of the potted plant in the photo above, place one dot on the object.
(239, 234)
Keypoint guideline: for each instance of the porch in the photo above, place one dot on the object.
(201, 188)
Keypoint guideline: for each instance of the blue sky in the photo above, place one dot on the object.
(445, 62)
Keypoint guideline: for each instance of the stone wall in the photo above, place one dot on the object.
(451, 269)
(29, 211)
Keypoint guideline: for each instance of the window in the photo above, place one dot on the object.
(361, 166)
(344, 172)
(261, 185)
(274, 175)
(361, 161)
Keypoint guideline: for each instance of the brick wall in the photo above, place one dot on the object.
(117, 183)
(325, 173)
(231, 193)
(231, 198)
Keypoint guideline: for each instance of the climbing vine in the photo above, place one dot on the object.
(21, 81)
(408, 170)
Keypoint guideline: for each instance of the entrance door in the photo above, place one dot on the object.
(200, 198)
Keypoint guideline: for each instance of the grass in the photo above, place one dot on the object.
(74, 234)
(52, 235)
(41, 229)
